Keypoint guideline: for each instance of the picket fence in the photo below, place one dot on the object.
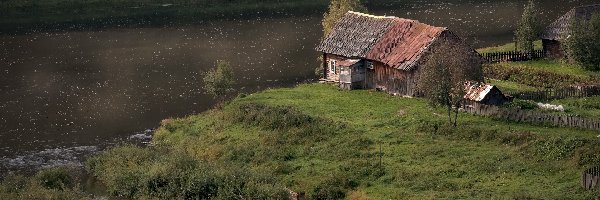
(532, 116)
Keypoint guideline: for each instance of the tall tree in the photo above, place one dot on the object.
(337, 9)
(583, 43)
(528, 28)
(218, 81)
(444, 75)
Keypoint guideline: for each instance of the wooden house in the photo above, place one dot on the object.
(485, 94)
(386, 53)
(558, 30)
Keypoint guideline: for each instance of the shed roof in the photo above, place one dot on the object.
(478, 92)
(558, 28)
(397, 42)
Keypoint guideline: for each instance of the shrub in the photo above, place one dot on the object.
(47, 184)
(582, 43)
(334, 187)
(55, 178)
(521, 104)
(219, 80)
(139, 173)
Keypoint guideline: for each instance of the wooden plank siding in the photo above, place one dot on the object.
(393, 81)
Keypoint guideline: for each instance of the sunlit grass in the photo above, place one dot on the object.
(508, 47)
(417, 163)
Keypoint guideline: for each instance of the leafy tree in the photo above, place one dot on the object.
(443, 78)
(528, 28)
(337, 9)
(219, 80)
(583, 43)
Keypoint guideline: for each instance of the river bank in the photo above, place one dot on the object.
(328, 143)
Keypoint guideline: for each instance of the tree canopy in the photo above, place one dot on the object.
(219, 80)
(583, 43)
(443, 78)
(528, 28)
(337, 9)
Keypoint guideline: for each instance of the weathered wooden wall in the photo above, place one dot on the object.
(531, 116)
(332, 76)
(553, 49)
(393, 81)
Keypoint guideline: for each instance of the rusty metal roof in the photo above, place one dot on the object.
(557, 29)
(404, 43)
(397, 42)
(477, 92)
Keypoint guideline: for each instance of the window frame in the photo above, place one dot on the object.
(332, 66)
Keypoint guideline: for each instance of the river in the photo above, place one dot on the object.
(67, 94)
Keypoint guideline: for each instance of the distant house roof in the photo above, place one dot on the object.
(558, 28)
(394, 41)
(478, 92)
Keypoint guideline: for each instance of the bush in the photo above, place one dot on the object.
(334, 187)
(54, 183)
(55, 178)
(140, 173)
(583, 43)
(521, 104)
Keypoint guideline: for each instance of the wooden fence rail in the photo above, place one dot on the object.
(591, 178)
(531, 116)
(558, 93)
(508, 56)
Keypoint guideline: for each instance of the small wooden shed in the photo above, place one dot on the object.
(558, 30)
(485, 94)
(381, 52)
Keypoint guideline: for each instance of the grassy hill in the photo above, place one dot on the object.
(356, 144)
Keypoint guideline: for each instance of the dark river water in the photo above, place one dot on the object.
(64, 95)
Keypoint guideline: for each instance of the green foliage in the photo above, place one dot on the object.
(219, 80)
(443, 77)
(537, 45)
(295, 125)
(586, 107)
(583, 43)
(334, 187)
(140, 173)
(337, 9)
(521, 104)
(55, 178)
(528, 28)
(530, 76)
(337, 151)
(53, 183)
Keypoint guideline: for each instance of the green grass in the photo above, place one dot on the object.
(509, 86)
(323, 141)
(586, 107)
(554, 66)
(508, 47)
(540, 73)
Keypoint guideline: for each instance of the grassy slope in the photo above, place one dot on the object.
(418, 164)
(509, 86)
(587, 107)
(507, 47)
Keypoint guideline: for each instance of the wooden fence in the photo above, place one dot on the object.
(509, 56)
(591, 178)
(531, 116)
(558, 93)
